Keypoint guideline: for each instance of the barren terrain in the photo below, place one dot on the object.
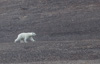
(51, 52)
(68, 31)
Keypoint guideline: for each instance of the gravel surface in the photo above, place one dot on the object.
(68, 31)
(50, 51)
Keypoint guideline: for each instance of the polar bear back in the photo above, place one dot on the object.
(23, 35)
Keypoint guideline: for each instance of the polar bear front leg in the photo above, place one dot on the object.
(32, 39)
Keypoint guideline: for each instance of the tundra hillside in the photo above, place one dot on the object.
(68, 31)
(52, 20)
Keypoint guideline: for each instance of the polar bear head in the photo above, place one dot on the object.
(33, 34)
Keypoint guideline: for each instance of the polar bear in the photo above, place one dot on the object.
(23, 37)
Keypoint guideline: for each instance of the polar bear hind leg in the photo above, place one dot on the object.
(25, 39)
(16, 40)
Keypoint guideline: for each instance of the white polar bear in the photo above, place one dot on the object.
(23, 37)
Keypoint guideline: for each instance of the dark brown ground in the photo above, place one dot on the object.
(66, 30)
(48, 52)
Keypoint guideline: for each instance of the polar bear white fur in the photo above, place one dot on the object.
(23, 37)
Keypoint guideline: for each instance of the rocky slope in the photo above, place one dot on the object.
(52, 20)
